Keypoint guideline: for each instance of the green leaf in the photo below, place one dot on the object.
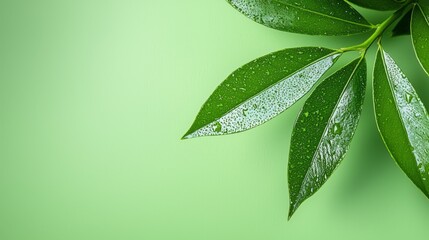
(420, 34)
(382, 5)
(313, 17)
(324, 130)
(403, 26)
(402, 120)
(260, 90)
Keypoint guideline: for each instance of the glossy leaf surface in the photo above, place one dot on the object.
(378, 4)
(260, 90)
(324, 130)
(314, 17)
(420, 34)
(403, 26)
(402, 120)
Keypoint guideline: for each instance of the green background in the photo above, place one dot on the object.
(95, 95)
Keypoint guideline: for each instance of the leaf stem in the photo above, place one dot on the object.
(380, 29)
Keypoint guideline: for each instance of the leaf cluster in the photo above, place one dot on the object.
(267, 86)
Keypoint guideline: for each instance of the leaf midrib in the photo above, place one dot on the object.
(324, 15)
(423, 14)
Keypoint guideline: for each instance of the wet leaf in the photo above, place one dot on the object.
(402, 120)
(420, 34)
(379, 4)
(403, 26)
(260, 90)
(324, 130)
(314, 17)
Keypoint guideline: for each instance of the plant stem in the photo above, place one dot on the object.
(380, 29)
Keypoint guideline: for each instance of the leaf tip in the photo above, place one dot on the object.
(292, 209)
(187, 135)
(191, 133)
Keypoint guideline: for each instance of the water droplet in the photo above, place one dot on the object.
(217, 127)
(306, 114)
(409, 97)
(245, 112)
(337, 129)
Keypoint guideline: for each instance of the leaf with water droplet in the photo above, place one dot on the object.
(335, 107)
(382, 5)
(265, 96)
(333, 17)
(420, 34)
(402, 120)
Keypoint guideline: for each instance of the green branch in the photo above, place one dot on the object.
(380, 29)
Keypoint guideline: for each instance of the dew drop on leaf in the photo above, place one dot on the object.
(337, 129)
(409, 98)
(217, 127)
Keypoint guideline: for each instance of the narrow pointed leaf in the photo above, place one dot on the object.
(402, 120)
(403, 26)
(324, 130)
(313, 17)
(382, 5)
(420, 34)
(260, 90)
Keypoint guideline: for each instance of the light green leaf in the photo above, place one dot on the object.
(402, 120)
(313, 17)
(324, 130)
(420, 34)
(260, 90)
(382, 5)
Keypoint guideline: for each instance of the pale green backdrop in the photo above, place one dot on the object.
(95, 95)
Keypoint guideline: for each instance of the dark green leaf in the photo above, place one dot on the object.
(420, 34)
(324, 130)
(402, 120)
(314, 17)
(403, 26)
(379, 4)
(260, 90)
